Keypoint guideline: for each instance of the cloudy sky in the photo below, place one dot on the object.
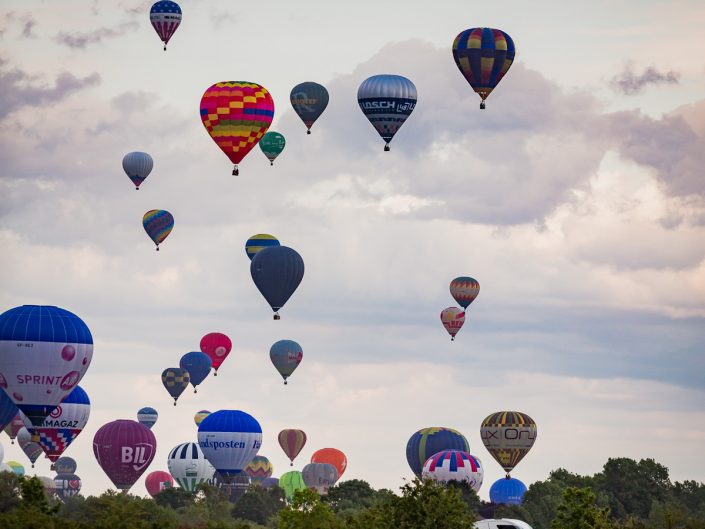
(577, 199)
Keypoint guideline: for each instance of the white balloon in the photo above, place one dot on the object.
(137, 166)
(188, 466)
(454, 465)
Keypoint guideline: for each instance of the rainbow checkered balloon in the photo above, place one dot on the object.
(236, 114)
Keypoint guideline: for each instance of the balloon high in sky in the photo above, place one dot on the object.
(217, 346)
(292, 442)
(147, 416)
(309, 100)
(158, 224)
(286, 355)
(175, 381)
(277, 272)
(137, 166)
(198, 365)
(483, 56)
(236, 114)
(165, 17)
(387, 101)
(272, 144)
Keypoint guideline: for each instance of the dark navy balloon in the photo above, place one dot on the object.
(175, 381)
(198, 365)
(429, 441)
(64, 465)
(309, 100)
(147, 416)
(277, 272)
(507, 490)
(8, 410)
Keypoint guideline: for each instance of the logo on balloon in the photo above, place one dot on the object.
(70, 380)
(139, 456)
(56, 412)
(68, 353)
(220, 351)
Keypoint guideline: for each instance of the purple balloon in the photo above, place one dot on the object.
(124, 449)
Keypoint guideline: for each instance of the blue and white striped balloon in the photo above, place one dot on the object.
(229, 439)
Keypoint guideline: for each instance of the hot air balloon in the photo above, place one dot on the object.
(508, 491)
(16, 424)
(272, 145)
(508, 437)
(292, 442)
(64, 423)
(147, 416)
(175, 380)
(277, 272)
(454, 465)
(31, 449)
(158, 224)
(453, 319)
(332, 456)
(319, 477)
(67, 485)
(48, 485)
(217, 346)
(236, 114)
(229, 439)
(165, 17)
(189, 466)
(137, 166)
(268, 483)
(8, 410)
(309, 100)
(286, 355)
(64, 465)
(429, 441)
(259, 469)
(45, 352)
(198, 365)
(464, 290)
(290, 482)
(255, 243)
(124, 449)
(483, 56)
(157, 481)
(16, 467)
(387, 101)
(200, 416)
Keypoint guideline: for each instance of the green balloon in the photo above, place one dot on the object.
(291, 482)
(272, 144)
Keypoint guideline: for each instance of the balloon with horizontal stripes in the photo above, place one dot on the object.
(292, 442)
(158, 224)
(387, 101)
(236, 115)
(188, 466)
(483, 56)
(165, 17)
(257, 242)
(147, 416)
(508, 437)
(454, 465)
(464, 290)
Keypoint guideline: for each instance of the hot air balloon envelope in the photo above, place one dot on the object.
(158, 224)
(189, 467)
(292, 441)
(175, 380)
(272, 145)
(319, 477)
(309, 100)
(259, 469)
(277, 272)
(453, 319)
(64, 423)
(429, 441)
(332, 456)
(286, 355)
(165, 17)
(217, 346)
(507, 490)
(157, 481)
(147, 416)
(464, 290)
(454, 465)
(290, 482)
(137, 166)
(229, 439)
(198, 365)
(508, 437)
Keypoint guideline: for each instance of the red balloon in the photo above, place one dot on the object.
(332, 456)
(217, 346)
(157, 481)
(124, 449)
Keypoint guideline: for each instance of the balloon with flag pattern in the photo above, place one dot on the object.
(165, 17)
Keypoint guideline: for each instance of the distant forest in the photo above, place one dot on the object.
(626, 494)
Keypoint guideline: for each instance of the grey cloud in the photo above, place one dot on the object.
(222, 19)
(81, 40)
(21, 89)
(28, 28)
(630, 83)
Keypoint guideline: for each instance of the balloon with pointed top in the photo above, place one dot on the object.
(483, 56)
(387, 101)
(272, 144)
(236, 115)
(175, 380)
(452, 319)
(158, 224)
(165, 17)
(137, 166)
(309, 100)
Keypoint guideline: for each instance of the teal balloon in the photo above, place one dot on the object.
(286, 355)
(272, 145)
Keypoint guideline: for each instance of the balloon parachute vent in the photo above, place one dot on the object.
(482, 106)
(277, 317)
(386, 148)
(307, 132)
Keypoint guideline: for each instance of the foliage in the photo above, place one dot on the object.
(259, 504)
(579, 511)
(307, 511)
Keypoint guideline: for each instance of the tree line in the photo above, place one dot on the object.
(626, 494)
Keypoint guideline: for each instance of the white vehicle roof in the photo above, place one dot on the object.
(502, 523)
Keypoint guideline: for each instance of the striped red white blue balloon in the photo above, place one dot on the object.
(454, 465)
(165, 17)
